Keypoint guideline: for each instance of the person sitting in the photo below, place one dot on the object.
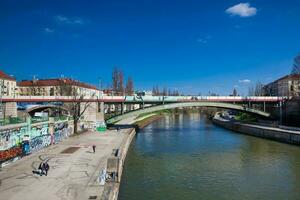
(46, 168)
(41, 168)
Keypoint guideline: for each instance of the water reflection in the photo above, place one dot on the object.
(186, 157)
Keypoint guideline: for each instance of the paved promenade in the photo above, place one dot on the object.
(71, 175)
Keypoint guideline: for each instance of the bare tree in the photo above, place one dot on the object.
(234, 92)
(79, 106)
(296, 65)
(115, 79)
(120, 89)
(258, 89)
(153, 91)
(129, 87)
(65, 87)
(165, 92)
(118, 81)
(251, 91)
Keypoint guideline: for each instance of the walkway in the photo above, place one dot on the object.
(71, 175)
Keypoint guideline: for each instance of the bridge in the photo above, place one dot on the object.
(187, 104)
(142, 99)
(99, 105)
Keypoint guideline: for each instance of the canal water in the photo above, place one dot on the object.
(186, 157)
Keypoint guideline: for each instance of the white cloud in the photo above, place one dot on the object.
(245, 81)
(242, 10)
(204, 40)
(69, 20)
(201, 40)
(48, 30)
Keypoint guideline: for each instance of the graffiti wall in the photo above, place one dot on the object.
(10, 154)
(61, 131)
(39, 138)
(20, 141)
(38, 131)
(12, 137)
(39, 142)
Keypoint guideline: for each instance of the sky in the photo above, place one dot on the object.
(194, 46)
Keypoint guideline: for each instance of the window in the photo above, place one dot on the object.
(51, 91)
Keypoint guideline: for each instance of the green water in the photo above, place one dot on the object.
(187, 157)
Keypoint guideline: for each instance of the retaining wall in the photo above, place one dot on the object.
(286, 136)
(20, 140)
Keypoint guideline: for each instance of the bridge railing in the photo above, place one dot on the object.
(146, 98)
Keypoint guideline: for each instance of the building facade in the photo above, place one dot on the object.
(56, 87)
(7, 88)
(288, 85)
(8, 85)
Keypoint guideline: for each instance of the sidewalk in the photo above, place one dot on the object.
(71, 175)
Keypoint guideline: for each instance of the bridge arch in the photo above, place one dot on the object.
(39, 108)
(188, 104)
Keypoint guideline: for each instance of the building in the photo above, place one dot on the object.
(7, 85)
(56, 87)
(288, 85)
(7, 88)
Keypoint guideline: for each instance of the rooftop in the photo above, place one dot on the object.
(289, 76)
(54, 82)
(6, 76)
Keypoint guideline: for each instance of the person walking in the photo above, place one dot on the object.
(46, 168)
(94, 148)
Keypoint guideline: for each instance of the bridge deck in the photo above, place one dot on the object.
(143, 99)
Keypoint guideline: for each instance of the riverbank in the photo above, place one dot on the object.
(74, 168)
(111, 189)
(142, 123)
(268, 132)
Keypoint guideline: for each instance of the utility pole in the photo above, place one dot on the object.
(1, 103)
(280, 112)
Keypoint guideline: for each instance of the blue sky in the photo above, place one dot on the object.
(192, 45)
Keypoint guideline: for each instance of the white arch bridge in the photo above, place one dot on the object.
(188, 104)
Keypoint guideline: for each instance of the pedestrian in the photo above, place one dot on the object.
(118, 129)
(46, 168)
(41, 168)
(94, 148)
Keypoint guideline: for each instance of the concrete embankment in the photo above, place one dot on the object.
(145, 122)
(273, 133)
(111, 189)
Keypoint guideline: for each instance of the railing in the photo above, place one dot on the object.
(39, 119)
(12, 120)
(61, 118)
(33, 120)
(143, 98)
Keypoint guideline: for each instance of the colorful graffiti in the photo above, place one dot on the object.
(39, 142)
(12, 137)
(10, 153)
(20, 141)
(39, 131)
(61, 131)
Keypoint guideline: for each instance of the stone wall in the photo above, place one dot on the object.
(10, 109)
(94, 113)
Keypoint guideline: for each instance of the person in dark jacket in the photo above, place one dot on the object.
(41, 168)
(46, 168)
(94, 148)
